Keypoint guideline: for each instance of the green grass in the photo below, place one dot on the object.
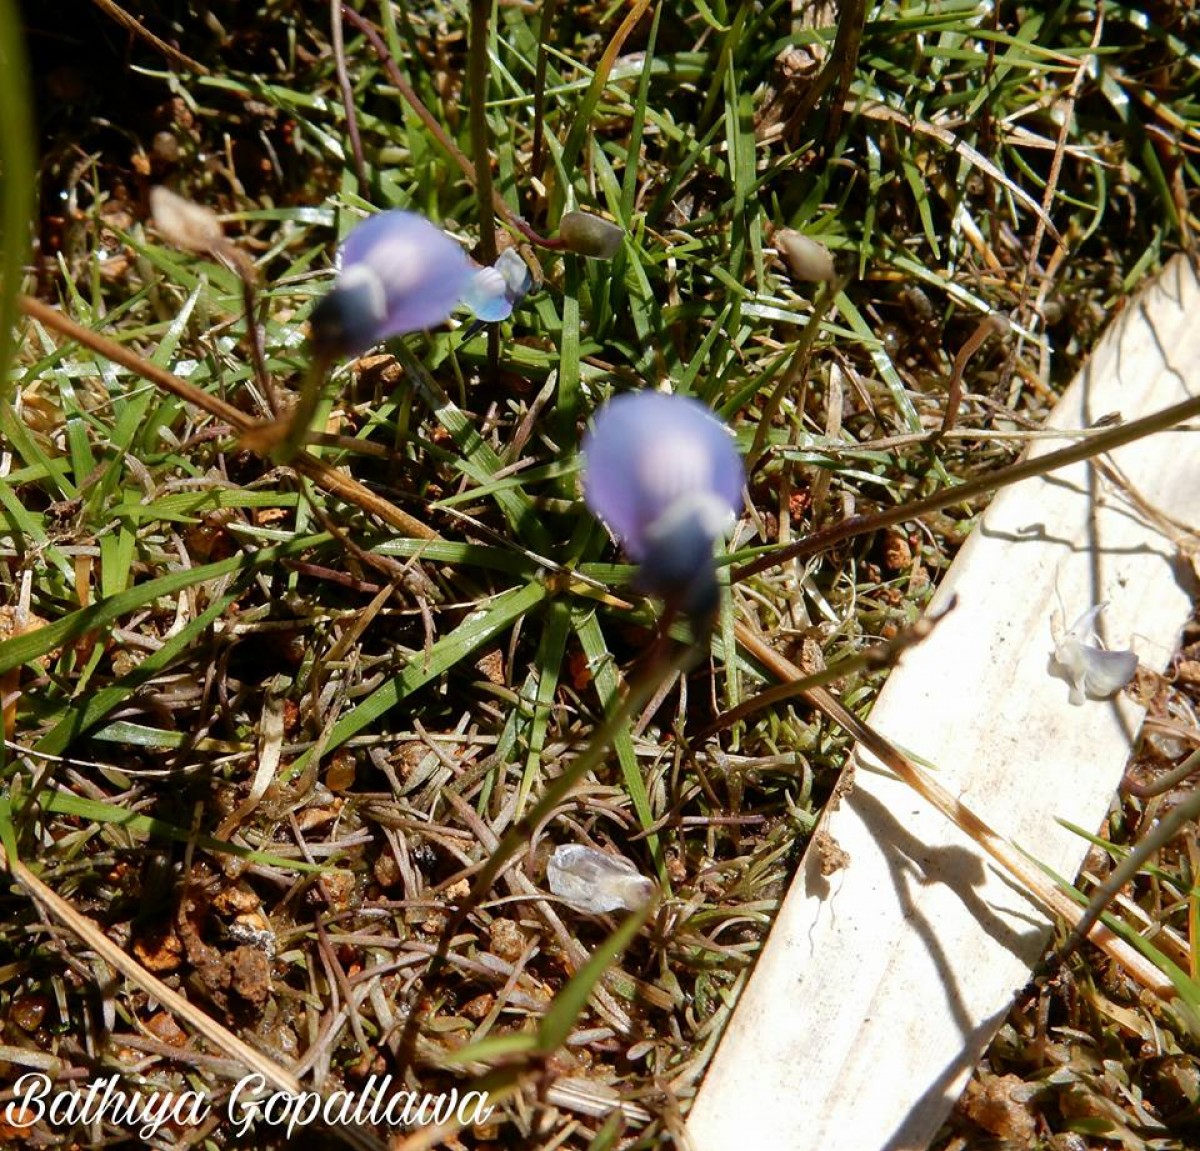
(162, 578)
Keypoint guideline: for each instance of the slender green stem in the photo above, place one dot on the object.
(1162, 833)
(16, 167)
(477, 85)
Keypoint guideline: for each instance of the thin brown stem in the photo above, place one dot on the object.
(989, 324)
(1164, 783)
(254, 334)
(1017, 865)
(883, 655)
(135, 27)
(1093, 445)
(343, 79)
(126, 357)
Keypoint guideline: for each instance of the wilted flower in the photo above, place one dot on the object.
(664, 474)
(1092, 671)
(595, 881)
(400, 273)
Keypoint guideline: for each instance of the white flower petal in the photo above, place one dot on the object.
(595, 881)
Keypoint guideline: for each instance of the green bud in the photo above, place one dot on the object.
(590, 235)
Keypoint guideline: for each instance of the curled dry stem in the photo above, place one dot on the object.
(993, 323)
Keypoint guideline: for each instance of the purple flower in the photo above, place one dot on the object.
(495, 291)
(664, 474)
(399, 273)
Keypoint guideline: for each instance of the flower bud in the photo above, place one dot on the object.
(590, 235)
(806, 258)
(184, 223)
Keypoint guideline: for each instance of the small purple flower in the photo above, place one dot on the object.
(399, 273)
(664, 474)
(495, 291)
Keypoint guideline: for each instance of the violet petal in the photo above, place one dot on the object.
(399, 273)
(664, 474)
(645, 451)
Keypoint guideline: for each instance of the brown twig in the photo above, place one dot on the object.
(132, 24)
(254, 333)
(126, 357)
(1165, 782)
(477, 79)
(1066, 113)
(1093, 445)
(343, 79)
(485, 194)
(1035, 883)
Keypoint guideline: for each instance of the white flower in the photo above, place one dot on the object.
(1094, 673)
